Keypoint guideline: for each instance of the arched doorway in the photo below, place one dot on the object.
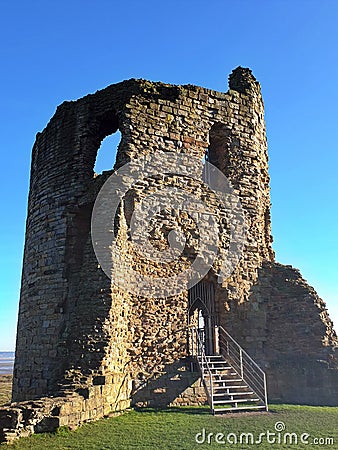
(202, 314)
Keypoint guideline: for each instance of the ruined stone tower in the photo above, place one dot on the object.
(98, 347)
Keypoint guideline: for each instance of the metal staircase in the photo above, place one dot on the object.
(232, 380)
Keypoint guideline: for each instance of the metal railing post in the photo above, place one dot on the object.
(241, 362)
(192, 343)
(266, 394)
(204, 366)
(216, 340)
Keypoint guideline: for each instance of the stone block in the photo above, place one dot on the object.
(10, 418)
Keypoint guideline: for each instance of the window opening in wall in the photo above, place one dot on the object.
(220, 142)
(206, 168)
(106, 154)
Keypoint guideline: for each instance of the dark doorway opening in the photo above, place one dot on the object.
(202, 314)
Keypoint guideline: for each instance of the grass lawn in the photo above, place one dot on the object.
(5, 388)
(176, 428)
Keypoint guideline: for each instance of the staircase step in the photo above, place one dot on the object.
(231, 399)
(220, 367)
(238, 400)
(221, 371)
(225, 394)
(227, 374)
(225, 382)
(231, 386)
(234, 381)
(238, 408)
(221, 375)
(217, 363)
(216, 357)
(223, 385)
(225, 367)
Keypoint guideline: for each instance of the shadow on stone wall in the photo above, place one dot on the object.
(302, 381)
(176, 385)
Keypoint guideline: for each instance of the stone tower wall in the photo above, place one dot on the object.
(73, 321)
(56, 233)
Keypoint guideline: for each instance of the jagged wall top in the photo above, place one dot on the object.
(242, 80)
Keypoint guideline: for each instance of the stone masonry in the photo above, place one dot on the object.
(87, 348)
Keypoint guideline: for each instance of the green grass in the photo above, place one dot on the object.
(176, 428)
(5, 388)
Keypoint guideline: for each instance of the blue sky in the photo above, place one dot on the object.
(56, 51)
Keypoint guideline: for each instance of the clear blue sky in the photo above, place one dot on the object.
(56, 51)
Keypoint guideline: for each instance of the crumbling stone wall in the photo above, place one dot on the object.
(81, 335)
(293, 338)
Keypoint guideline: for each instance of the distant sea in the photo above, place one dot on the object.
(6, 363)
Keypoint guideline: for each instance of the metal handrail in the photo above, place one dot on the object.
(247, 371)
(200, 353)
(237, 345)
(253, 375)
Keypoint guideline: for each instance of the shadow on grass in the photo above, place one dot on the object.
(205, 410)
